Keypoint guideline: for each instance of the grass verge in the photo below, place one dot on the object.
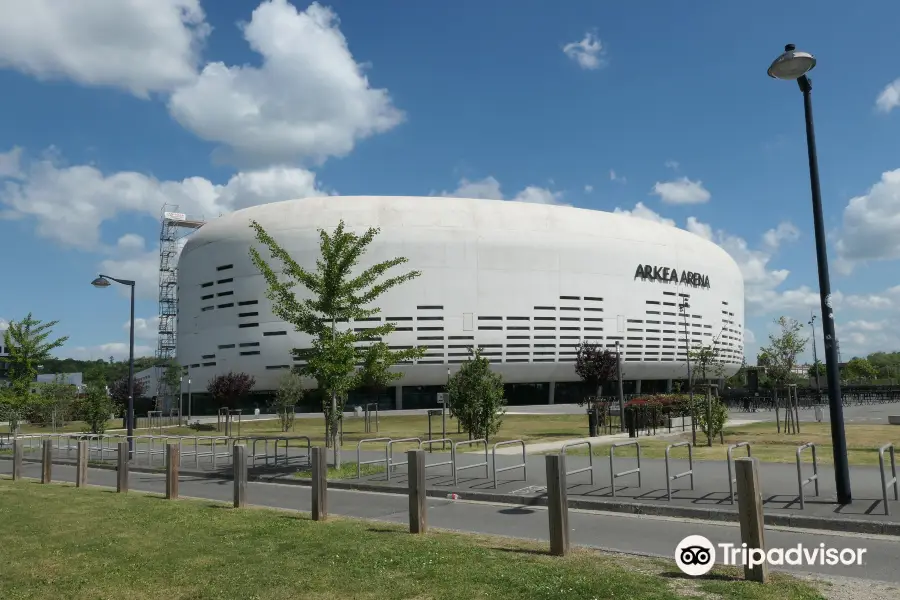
(768, 445)
(347, 471)
(99, 544)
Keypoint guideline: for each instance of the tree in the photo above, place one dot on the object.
(227, 389)
(783, 349)
(28, 344)
(817, 368)
(337, 294)
(476, 397)
(288, 395)
(859, 369)
(53, 404)
(118, 391)
(707, 361)
(94, 408)
(595, 367)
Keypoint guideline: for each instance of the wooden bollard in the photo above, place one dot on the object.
(319, 458)
(18, 451)
(47, 461)
(173, 454)
(418, 515)
(122, 468)
(239, 466)
(81, 461)
(750, 513)
(557, 504)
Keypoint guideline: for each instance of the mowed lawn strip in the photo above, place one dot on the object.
(863, 442)
(529, 428)
(62, 542)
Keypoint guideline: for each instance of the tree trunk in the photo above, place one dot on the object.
(336, 444)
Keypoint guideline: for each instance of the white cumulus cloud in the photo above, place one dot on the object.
(141, 46)
(870, 229)
(587, 52)
(641, 211)
(889, 98)
(682, 191)
(70, 203)
(308, 100)
(489, 189)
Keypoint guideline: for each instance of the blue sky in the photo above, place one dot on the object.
(664, 109)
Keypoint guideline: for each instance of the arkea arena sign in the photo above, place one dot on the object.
(667, 275)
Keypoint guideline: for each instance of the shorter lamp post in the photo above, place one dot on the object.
(102, 281)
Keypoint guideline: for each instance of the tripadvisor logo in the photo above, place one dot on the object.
(670, 275)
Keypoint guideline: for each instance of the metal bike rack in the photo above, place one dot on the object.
(814, 478)
(390, 453)
(442, 441)
(690, 471)
(731, 479)
(522, 465)
(455, 448)
(612, 471)
(884, 482)
(590, 467)
(360, 463)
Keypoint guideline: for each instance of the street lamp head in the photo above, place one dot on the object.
(792, 64)
(100, 282)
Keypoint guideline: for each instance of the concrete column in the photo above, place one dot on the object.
(398, 397)
(552, 391)
(637, 386)
(668, 386)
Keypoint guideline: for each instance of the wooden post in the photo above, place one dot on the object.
(173, 453)
(750, 513)
(81, 460)
(239, 467)
(122, 468)
(418, 515)
(319, 484)
(47, 461)
(18, 451)
(557, 504)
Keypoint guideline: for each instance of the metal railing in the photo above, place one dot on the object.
(360, 463)
(390, 453)
(441, 441)
(521, 465)
(814, 478)
(612, 464)
(690, 471)
(590, 467)
(730, 459)
(884, 482)
(456, 469)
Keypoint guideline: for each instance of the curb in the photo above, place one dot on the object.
(633, 508)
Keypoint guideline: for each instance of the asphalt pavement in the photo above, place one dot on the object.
(636, 534)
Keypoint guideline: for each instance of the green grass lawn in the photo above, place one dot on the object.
(530, 428)
(768, 445)
(73, 427)
(63, 542)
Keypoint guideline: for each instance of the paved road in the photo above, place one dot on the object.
(654, 536)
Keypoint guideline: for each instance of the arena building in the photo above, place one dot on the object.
(525, 282)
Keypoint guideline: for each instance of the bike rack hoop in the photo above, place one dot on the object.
(360, 463)
(612, 470)
(689, 472)
(522, 465)
(590, 467)
(884, 481)
(730, 459)
(814, 478)
(455, 448)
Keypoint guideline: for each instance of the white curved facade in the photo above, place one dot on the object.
(526, 282)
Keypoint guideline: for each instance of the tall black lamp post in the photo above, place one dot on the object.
(102, 281)
(793, 64)
(687, 353)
